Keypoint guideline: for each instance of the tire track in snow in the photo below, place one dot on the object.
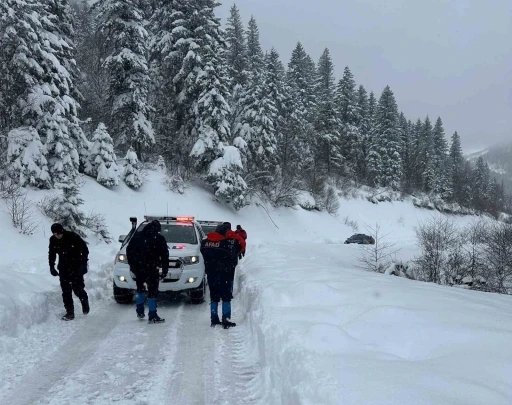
(68, 359)
(123, 369)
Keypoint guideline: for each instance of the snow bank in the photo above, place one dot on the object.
(329, 334)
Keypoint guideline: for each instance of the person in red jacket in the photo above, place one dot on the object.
(243, 234)
(240, 231)
(239, 250)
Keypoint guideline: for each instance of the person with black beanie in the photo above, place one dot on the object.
(146, 252)
(73, 257)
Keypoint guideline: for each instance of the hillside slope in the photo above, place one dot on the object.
(499, 158)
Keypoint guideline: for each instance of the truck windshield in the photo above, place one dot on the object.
(177, 233)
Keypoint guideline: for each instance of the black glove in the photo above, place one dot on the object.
(53, 272)
(164, 273)
(240, 256)
(84, 268)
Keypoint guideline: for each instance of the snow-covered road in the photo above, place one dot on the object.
(311, 329)
(110, 356)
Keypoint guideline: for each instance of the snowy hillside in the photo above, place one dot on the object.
(312, 328)
(499, 159)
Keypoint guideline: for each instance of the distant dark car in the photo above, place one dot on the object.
(360, 239)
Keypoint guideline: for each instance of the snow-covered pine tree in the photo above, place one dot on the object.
(346, 103)
(102, 159)
(62, 156)
(236, 54)
(328, 147)
(457, 167)
(259, 113)
(416, 156)
(374, 169)
(254, 53)
(406, 151)
(442, 184)
(37, 86)
(225, 174)
(257, 127)
(388, 138)
(67, 209)
(121, 21)
(237, 64)
(212, 113)
(131, 174)
(25, 155)
(211, 109)
(297, 151)
(482, 185)
(93, 78)
(363, 124)
(301, 80)
(60, 24)
(276, 86)
(427, 157)
(168, 40)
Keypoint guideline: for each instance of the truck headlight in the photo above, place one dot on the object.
(187, 260)
(191, 280)
(121, 258)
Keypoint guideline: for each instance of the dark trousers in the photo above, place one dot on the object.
(151, 279)
(72, 282)
(220, 289)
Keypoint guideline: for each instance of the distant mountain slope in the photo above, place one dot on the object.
(499, 159)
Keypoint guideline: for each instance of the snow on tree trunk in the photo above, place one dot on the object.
(25, 154)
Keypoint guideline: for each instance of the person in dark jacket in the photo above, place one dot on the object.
(238, 249)
(147, 251)
(73, 256)
(218, 252)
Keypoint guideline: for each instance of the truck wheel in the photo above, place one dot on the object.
(197, 294)
(122, 295)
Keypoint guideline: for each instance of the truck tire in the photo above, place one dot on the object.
(197, 294)
(122, 295)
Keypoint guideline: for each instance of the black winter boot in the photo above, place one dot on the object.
(85, 306)
(226, 324)
(68, 317)
(215, 321)
(154, 318)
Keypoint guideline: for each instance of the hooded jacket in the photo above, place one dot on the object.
(148, 250)
(242, 233)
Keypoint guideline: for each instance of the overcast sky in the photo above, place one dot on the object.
(448, 58)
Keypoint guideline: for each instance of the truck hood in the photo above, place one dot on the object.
(183, 249)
